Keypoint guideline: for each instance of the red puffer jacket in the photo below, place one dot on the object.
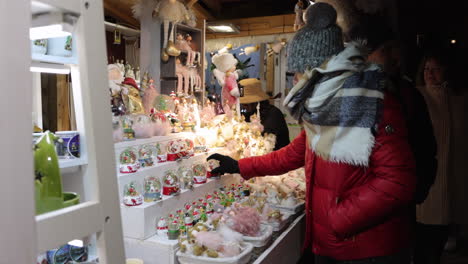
(352, 212)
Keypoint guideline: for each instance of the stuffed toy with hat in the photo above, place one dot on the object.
(227, 76)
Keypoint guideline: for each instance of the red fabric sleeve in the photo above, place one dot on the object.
(391, 184)
(278, 162)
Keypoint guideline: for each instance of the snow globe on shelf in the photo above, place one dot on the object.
(128, 161)
(199, 173)
(200, 144)
(132, 196)
(173, 150)
(127, 126)
(152, 189)
(159, 152)
(161, 227)
(171, 185)
(189, 147)
(145, 156)
(211, 165)
(186, 177)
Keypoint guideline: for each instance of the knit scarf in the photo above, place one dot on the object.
(339, 104)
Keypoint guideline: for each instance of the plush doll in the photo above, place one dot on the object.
(194, 48)
(227, 76)
(171, 12)
(149, 95)
(183, 45)
(182, 74)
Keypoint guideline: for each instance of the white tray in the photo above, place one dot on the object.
(292, 210)
(279, 226)
(242, 258)
(263, 239)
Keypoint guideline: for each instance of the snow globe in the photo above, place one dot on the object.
(128, 161)
(159, 153)
(170, 183)
(145, 156)
(211, 165)
(173, 150)
(132, 196)
(186, 177)
(152, 189)
(200, 144)
(199, 173)
(127, 126)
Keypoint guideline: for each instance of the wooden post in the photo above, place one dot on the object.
(150, 49)
(63, 103)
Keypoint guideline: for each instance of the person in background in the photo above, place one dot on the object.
(435, 209)
(271, 117)
(384, 50)
(360, 172)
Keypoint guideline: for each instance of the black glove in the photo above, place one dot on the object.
(226, 164)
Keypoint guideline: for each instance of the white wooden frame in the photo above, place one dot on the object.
(24, 235)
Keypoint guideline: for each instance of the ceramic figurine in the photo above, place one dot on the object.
(132, 197)
(127, 124)
(128, 161)
(199, 173)
(162, 227)
(131, 97)
(171, 185)
(137, 74)
(48, 182)
(129, 71)
(173, 230)
(152, 189)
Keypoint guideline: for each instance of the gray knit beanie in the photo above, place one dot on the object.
(317, 41)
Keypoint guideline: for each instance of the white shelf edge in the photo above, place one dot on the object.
(146, 205)
(58, 227)
(69, 163)
(142, 141)
(54, 59)
(158, 166)
(69, 5)
(278, 240)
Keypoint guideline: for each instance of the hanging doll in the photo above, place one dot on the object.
(299, 10)
(182, 74)
(171, 12)
(184, 45)
(227, 76)
(193, 47)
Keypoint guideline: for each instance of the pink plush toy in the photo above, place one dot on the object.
(148, 97)
(184, 45)
(211, 240)
(245, 220)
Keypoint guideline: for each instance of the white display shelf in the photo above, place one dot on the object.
(168, 165)
(69, 163)
(156, 249)
(54, 5)
(139, 222)
(143, 141)
(54, 59)
(287, 247)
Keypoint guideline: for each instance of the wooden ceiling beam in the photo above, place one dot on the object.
(113, 10)
(214, 5)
